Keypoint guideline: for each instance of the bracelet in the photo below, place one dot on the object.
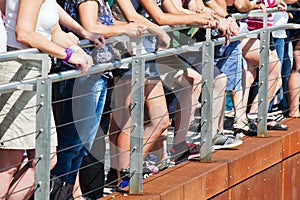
(74, 48)
(227, 16)
(68, 56)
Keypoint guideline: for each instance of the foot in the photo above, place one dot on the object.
(189, 152)
(112, 178)
(240, 125)
(222, 141)
(271, 125)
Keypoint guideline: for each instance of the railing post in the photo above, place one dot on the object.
(137, 121)
(43, 127)
(207, 98)
(263, 83)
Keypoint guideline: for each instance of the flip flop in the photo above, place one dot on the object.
(276, 126)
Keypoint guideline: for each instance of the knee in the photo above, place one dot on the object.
(165, 122)
(160, 124)
(10, 172)
(193, 77)
(220, 81)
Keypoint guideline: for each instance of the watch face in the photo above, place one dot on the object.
(104, 57)
(106, 54)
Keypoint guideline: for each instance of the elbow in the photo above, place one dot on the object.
(22, 36)
(241, 8)
(159, 20)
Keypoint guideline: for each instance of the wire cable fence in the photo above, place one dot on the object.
(139, 117)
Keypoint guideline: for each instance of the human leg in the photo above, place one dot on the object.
(155, 103)
(250, 48)
(251, 54)
(218, 105)
(274, 80)
(21, 184)
(294, 84)
(156, 106)
(78, 126)
(91, 174)
(11, 160)
(190, 82)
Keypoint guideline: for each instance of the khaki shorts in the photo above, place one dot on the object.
(18, 109)
(170, 69)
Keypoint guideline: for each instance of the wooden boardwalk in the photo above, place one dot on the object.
(262, 168)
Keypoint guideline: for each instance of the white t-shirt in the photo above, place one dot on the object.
(47, 19)
(280, 18)
(3, 36)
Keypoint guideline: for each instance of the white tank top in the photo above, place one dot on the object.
(47, 19)
(3, 37)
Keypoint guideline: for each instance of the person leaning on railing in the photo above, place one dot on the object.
(79, 118)
(154, 99)
(231, 66)
(30, 23)
(250, 49)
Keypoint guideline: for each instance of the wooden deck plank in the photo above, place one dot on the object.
(261, 166)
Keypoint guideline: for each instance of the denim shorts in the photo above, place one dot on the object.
(229, 60)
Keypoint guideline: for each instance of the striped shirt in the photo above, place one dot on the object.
(257, 22)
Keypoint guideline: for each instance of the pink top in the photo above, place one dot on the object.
(257, 22)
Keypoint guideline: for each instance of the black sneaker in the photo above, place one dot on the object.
(64, 192)
(112, 178)
(55, 185)
(192, 151)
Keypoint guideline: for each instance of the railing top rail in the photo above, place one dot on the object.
(13, 55)
(124, 62)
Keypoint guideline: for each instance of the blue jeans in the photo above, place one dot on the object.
(282, 49)
(78, 105)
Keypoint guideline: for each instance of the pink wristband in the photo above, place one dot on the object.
(68, 56)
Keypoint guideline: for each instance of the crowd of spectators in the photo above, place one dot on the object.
(89, 108)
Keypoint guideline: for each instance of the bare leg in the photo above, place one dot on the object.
(113, 149)
(11, 160)
(25, 182)
(160, 147)
(274, 79)
(156, 105)
(119, 147)
(218, 103)
(250, 48)
(77, 193)
(187, 103)
(294, 84)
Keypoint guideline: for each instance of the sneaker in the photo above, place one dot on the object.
(125, 178)
(222, 141)
(64, 192)
(162, 165)
(55, 185)
(192, 151)
(112, 178)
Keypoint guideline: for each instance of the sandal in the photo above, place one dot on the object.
(240, 125)
(271, 125)
(274, 125)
